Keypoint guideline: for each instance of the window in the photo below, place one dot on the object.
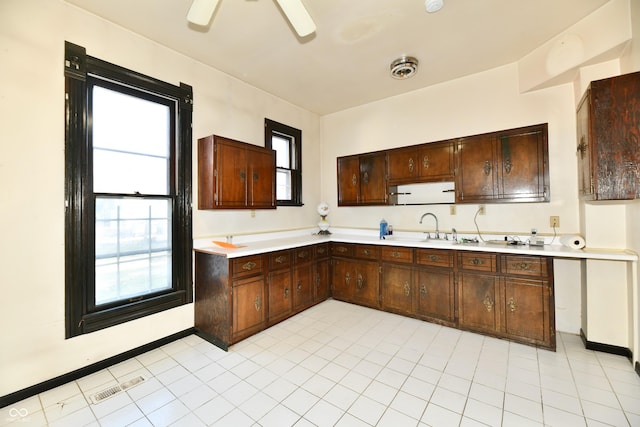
(287, 142)
(128, 194)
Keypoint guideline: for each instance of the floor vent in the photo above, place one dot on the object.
(112, 391)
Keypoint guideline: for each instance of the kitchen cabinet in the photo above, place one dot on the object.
(505, 166)
(279, 285)
(514, 301)
(235, 175)
(478, 292)
(397, 285)
(362, 179)
(435, 285)
(355, 274)
(422, 163)
(608, 119)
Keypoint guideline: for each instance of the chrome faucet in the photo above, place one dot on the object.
(434, 217)
(454, 235)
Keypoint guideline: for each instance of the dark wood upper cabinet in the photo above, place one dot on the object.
(422, 163)
(608, 130)
(235, 175)
(506, 166)
(362, 179)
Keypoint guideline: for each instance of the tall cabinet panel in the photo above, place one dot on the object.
(608, 121)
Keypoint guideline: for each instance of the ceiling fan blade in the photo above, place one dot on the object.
(298, 16)
(201, 11)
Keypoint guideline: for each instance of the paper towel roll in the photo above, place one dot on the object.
(572, 241)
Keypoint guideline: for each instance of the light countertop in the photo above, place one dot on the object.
(276, 241)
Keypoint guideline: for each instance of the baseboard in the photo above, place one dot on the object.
(606, 348)
(17, 396)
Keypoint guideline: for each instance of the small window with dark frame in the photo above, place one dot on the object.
(287, 143)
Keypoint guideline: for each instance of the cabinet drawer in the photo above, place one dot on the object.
(280, 259)
(342, 249)
(303, 254)
(367, 251)
(321, 250)
(397, 254)
(434, 257)
(525, 265)
(477, 261)
(247, 266)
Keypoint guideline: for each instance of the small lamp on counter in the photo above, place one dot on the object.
(323, 210)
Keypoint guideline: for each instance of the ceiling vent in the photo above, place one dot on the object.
(404, 67)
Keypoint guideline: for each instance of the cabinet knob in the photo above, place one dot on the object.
(395, 254)
(411, 164)
(281, 259)
(425, 162)
(360, 282)
(434, 258)
(257, 303)
(512, 305)
(347, 279)
(488, 303)
(507, 166)
(286, 292)
(476, 261)
(354, 179)
(423, 289)
(249, 266)
(406, 288)
(487, 167)
(299, 287)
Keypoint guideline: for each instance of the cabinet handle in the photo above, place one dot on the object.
(395, 254)
(302, 254)
(524, 266)
(434, 258)
(341, 249)
(487, 167)
(347, 279)
(299, 287)
(411, 164)
(321, 250)
(425, 162)
(365, 177)
(360, 282)
(281, 259)
(249, 266)
(257, 303)
(256, 177)
(407, 289)
(366, 252)
(286, 292)
(582, 147)
(512, 305)
(423, 289)
(476, 261)
(507, 166)
(488, 303)
(317, 280)
(354, 179)
(243, 176)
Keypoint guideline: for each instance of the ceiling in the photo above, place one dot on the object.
(345, 63)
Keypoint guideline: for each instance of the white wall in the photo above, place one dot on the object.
(32, 35)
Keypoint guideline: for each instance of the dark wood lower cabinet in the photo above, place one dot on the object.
(507, 296)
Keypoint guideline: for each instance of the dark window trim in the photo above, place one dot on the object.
(79, 250)
(271, 127)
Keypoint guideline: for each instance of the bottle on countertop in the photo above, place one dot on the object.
(383, 228)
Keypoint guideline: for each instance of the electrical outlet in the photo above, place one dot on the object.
(481, 210)
(452, 209)
(554, 221)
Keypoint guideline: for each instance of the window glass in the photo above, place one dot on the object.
(283, 152)
(131, 144)
(283, 184)
(133, 248)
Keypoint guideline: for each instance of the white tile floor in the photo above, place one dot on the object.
(340, 364)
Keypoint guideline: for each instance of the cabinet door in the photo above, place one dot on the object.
(584, 151)
(231, 175)
(366, 287)
(523, 173)
(436, 161)
(403, 165)
(478, 307)
(527, 306)
(435, 294)
(373, 179)
(397, 288)
(249, 307)
(261, 179)
(321, 280)
(348, 180)
(280, 295)
(303, 286)
(476, 177)
(342, 279)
